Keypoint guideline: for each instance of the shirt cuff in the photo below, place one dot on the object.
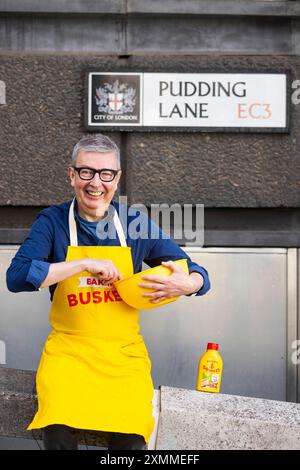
(37, 273)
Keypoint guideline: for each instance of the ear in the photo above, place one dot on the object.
(71, 174)
(118, 177)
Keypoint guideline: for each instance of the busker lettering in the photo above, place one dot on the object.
(96, 297)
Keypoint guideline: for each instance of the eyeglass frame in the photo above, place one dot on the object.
(77, 169)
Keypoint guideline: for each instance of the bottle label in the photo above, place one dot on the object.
(210, 376)
(215, 378)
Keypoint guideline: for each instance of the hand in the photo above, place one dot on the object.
(103, 269)
(178, 283)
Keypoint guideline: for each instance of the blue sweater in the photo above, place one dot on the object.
(49, 238)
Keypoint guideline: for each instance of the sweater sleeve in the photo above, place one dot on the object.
(30, 266)
(162, 248)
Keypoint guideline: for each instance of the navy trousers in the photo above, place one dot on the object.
(61, 437)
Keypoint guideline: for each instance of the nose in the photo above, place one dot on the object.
(96, 179)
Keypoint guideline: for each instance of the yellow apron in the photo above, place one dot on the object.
(94, 371)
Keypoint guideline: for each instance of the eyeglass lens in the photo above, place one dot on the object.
(88, 174)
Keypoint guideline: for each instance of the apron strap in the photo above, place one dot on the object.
(73, 227)
(119, 229)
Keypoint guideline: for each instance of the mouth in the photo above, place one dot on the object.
(94, 194)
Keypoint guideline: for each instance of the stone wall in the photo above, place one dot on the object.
(247, 177)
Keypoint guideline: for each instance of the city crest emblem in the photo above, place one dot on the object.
(115, 98)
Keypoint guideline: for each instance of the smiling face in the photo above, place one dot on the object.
(94, 196)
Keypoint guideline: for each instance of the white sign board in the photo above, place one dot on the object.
(187, 100)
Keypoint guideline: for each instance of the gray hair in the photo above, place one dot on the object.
(96, 143)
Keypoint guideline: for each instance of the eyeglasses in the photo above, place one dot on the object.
(88, 174)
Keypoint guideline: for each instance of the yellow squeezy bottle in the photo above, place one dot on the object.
(210, 370)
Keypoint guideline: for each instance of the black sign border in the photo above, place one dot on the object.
(235, 130)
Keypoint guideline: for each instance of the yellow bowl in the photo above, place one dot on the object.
(131, 292)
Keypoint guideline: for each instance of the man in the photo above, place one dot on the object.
(94, 371)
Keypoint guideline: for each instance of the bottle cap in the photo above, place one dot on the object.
(214, 346)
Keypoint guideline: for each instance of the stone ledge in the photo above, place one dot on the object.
(222, 422)
(185, 419)
(155, 7)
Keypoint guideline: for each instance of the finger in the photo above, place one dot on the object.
(105, 274)
(117, 276)
(149, 285)
(156, 301)
(105, 280)
(109, 275)
(154, 295)
(116, 273)
(172, 265)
